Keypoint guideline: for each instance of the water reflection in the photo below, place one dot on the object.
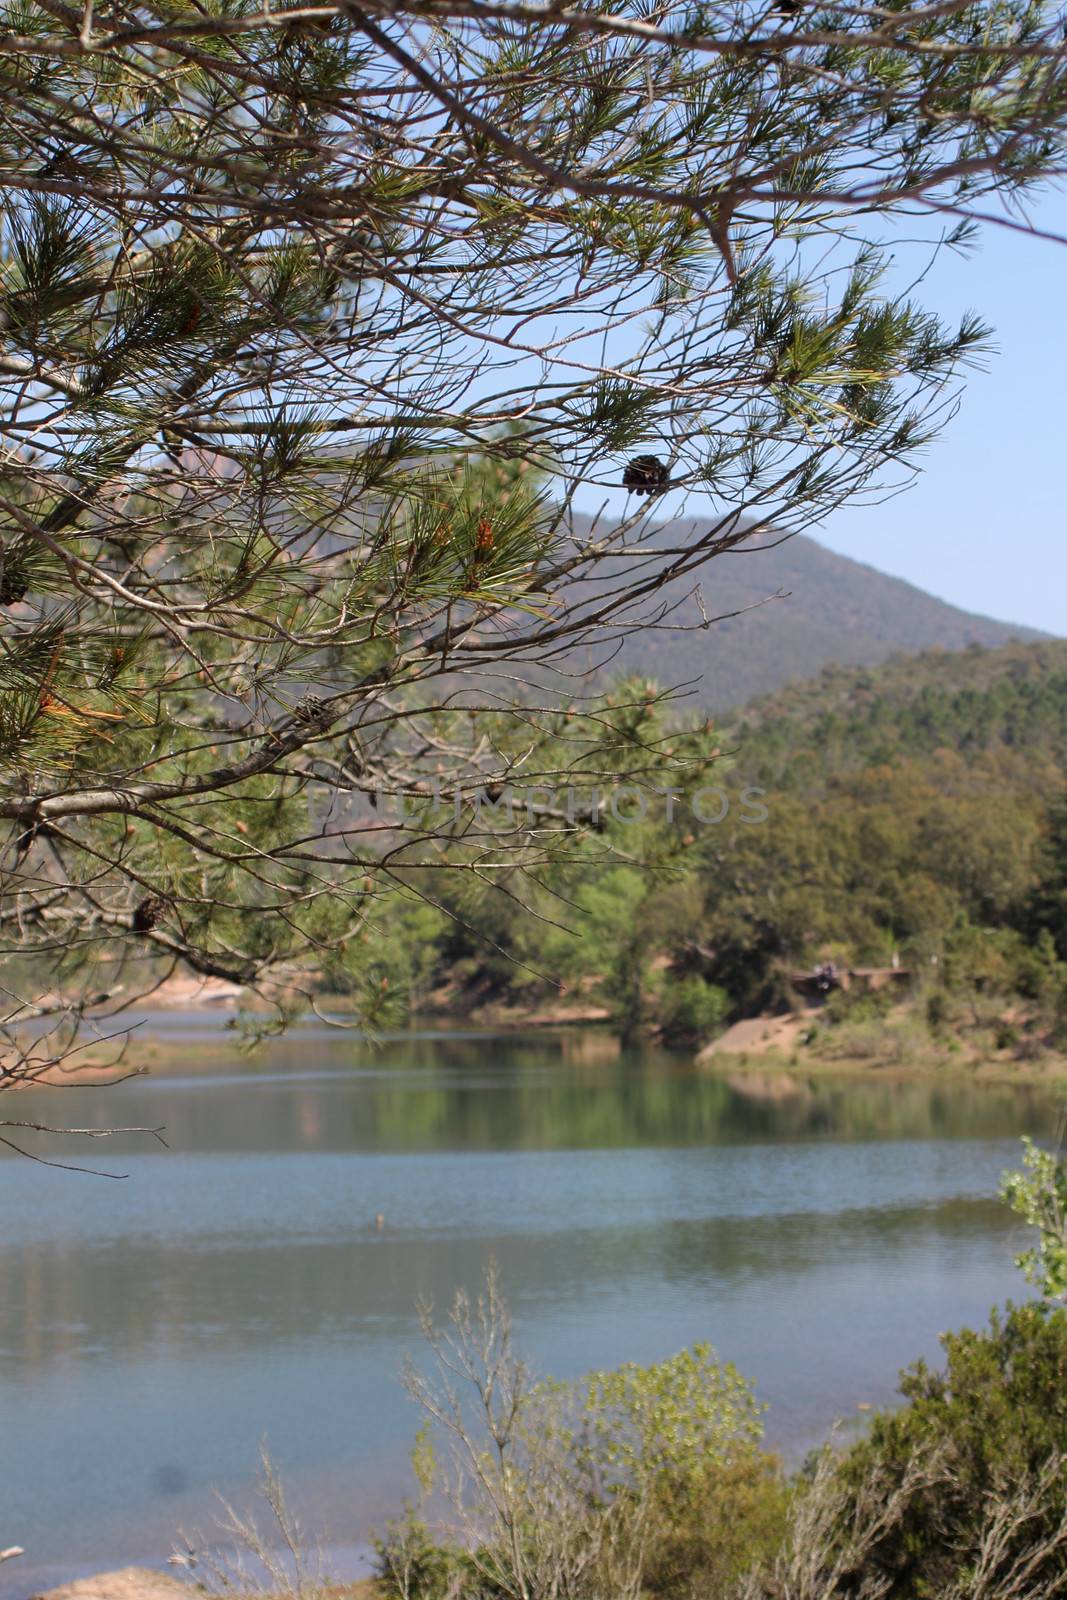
(314, 1090)
(819, 1233)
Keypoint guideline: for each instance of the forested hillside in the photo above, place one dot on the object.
(915, 812)
(1012, 699)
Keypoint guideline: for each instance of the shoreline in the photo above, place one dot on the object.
(211, 1048)
(145, 1582)
(994, 1073)
(769, 1044)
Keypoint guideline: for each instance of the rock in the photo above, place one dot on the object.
(131, 1583)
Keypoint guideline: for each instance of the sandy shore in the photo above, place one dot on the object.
(145, 1583)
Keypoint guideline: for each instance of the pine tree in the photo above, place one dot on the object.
(312, 328)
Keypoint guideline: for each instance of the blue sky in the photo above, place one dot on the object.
(984, 525)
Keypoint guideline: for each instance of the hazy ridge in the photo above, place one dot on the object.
(831, 610)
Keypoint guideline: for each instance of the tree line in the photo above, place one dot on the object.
(916, 812)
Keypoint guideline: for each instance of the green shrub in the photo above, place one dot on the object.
(411, 1565)
(1038, 1194)
(858, 1005)
(622, 1485)
(668, 1427)
(670, 1452)
(691, 1010)
(700, 1542)
(994, 1420)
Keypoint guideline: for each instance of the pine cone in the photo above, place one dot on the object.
(191, 320)
(646, 475)
(13, 586)
(14, 579)
(310, 709)
(147, 913)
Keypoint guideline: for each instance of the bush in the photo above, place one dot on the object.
(701, 1542)
(1038, 1194)
(691, 1010)
(857, 1005)
(622, 1485)
(991, 1423)
(895, 1042)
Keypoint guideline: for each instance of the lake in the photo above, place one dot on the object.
(235, 1287)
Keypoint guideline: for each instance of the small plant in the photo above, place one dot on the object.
(616, 1486)
(857, 1005)
(1038, 1194)
(243, 1560)
(672, 1424)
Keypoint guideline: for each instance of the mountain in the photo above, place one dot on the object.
(830, 610)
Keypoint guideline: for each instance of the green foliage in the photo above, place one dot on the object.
(1048, 908)
(1038, 1194)
(903, 816)
(705, 1539)
(639, 1482)
(978, 702)
(671, 1424)
(302, 377)
(682, 1435)
(395, 952)
(995, 1416)
(966, 1478)
(907, 814)
(412, 1565)
(689, 1009)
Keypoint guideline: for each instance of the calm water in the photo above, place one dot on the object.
(234, 1287)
